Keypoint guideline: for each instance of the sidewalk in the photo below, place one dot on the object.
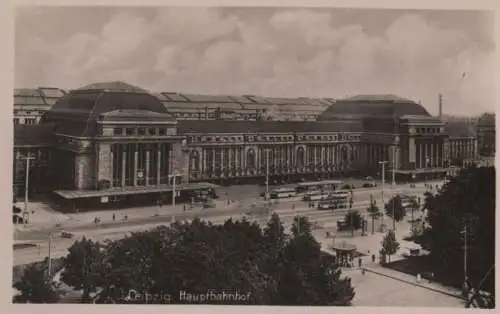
(423, 283)
(45, 217)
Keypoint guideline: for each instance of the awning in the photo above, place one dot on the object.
(134, 190)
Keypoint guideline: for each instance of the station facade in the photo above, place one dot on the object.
(113, 142)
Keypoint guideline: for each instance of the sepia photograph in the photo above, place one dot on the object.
(253, 156)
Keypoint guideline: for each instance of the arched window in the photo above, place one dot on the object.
(195, 161)
(300, 157)
(250, 159)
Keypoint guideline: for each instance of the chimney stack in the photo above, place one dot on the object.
(440, 106)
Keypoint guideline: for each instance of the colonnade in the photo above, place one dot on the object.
(220, 159)
(140, 164)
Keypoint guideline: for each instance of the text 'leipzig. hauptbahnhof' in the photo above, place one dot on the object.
(113, 142)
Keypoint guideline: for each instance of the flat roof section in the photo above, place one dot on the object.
(417, 171)
(71, 194)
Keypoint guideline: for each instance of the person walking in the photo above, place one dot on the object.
(114, 217)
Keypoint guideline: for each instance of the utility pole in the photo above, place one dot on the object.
(26, 187)
(464, 232)
(394, 166)
(49, 271)
(372, 205)
(382, 186)
(174, 192)
(393, 215)
(267, 174)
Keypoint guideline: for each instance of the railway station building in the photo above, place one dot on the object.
(113, 144)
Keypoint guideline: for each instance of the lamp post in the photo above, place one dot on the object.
(267, 174)
(394, 165)
(382, 163)
(27, 158)
(174, 192)
(49, 268)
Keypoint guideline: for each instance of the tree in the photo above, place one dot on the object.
(394, 208)
(467, 201)
(196, 257)
(389, 244)
(301, 225)
(428, 201)
(83, 267)
(414, 206)
(35, 287)
(373, 211)
(354, 220)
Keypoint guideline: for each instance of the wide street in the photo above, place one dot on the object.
(147, 218)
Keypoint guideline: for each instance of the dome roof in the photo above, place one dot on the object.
(77, 112)
(373, 105)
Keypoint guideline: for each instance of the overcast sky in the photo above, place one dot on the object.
(263, 51)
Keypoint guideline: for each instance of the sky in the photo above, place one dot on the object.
(277, 52)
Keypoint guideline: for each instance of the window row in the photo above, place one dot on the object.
(283, 138)
(428, 130)
(142, 131)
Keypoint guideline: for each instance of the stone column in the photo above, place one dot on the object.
(431, 154)
(158, 167)
(104, 163)
(214, 153)
(146, 171)
(136, 156)
(111, 166)
(124, 166)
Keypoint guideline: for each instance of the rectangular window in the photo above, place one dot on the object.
(117, 131)
(141, 131)
(161, 131)
(129, 131)
(16, 120)
(30, 121)
(152, 131)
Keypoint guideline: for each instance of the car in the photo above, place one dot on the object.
(66, 234)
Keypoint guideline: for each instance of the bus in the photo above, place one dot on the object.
(324, 185)
(334, 200)
(283, 193)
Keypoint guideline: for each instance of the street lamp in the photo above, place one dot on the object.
(394, 165)
(174, 192)
(27, 158)
(267, 174)
(382, 163)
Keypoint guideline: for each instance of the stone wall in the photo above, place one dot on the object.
(84, 172)
(180, 161)
(105, 163)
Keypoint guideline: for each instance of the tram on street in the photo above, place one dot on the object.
(283, 192)
(315, 186)
(334, 200)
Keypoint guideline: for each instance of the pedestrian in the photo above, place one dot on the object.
(114, 217)
(125, 218)
(359, 262)
(373, 258)
(363, 271)
(419, 278)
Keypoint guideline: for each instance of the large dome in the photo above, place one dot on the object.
(373, 105)
(77, 112)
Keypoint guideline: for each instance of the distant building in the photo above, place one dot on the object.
(486, 137)
(462, 143)
(113, 143)
(31, 104)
